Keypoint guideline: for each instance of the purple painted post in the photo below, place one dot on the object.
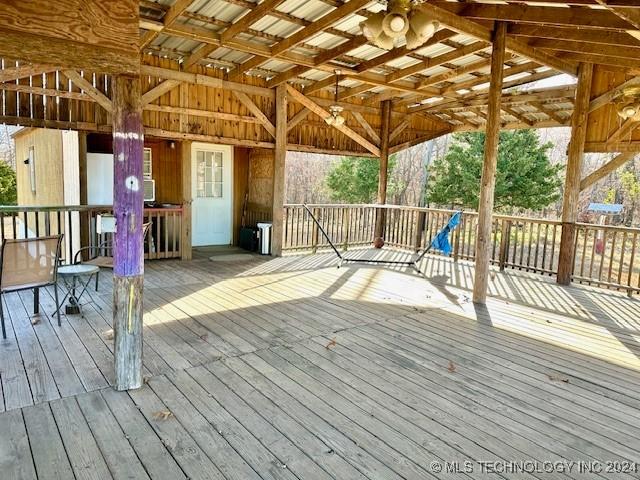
(128, 253)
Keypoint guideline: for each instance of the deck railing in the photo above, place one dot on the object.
(78, 224)
(527, 244)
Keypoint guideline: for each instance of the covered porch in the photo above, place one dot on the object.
(223, 364)
(293, 368)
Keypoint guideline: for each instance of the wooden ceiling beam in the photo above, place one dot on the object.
(540, 15)
(255, 110)
(200, 53)
(321, 59)
(609, 167)
(549, 112)
(252, 16)
(297, 118)
(206, 80)
(626, 52)
(168, 19)
(88, 88)
(322, 113)
(438, 60)
(608, 96)
(599, 59)
(319, 25)
(159, 90)
(469, 27)
(629, 15)
(571, 33)
(366, 126)
(399, 52)
(10, 74)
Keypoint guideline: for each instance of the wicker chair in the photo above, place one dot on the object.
(26, 264)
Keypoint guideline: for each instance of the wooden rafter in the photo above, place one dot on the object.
(159, 90)
(469, 27)
(367, 127)
(436, 61)
(398, 130)
(609, 167)
(252, 16)
(169, 18)
(255, 110)
(297, 118)
(609, 95)
(322, 113)
(318, 25)
(89, 89)
(541, 15)
(22, 71)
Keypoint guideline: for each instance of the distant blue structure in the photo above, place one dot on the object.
(605, 208)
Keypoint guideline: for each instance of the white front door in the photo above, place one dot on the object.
(212, 190)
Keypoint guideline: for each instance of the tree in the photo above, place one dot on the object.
(631, 190)
(525, 177)
(355, 179)
(8, 189)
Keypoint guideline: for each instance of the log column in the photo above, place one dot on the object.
(383, 178)
(128, 254)
(575, 155)
(277, 231)
(488, 181)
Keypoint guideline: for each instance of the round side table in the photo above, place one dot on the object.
(75, 280)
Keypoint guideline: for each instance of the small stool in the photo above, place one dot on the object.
(76, 278)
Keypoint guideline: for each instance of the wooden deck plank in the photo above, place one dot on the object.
(47, 449)
(154, 455)
(318, 444)
(331, 431)
(120, 458)
(41, 382)
(287, 445)
(211, 441)
(290, 368)
(83, 452)
(183, 448)
(261, 459)
(15, 456)
(523, 382)
(593, 445)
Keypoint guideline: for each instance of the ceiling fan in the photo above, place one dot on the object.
(400, 20)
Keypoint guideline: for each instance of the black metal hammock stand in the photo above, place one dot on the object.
(439, 241)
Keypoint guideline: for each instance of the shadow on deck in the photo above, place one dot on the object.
(290, 368)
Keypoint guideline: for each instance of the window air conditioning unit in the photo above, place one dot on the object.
(149, 190)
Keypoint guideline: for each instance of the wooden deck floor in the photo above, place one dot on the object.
(292, 369)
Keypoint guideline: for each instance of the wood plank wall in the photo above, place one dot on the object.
(604, 122)
(32, 102)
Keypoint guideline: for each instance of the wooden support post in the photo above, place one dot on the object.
(128, 252)
(85, 217)
(420, 223)
(575, 156)
(488, 181)
(505, 232)
(187, 198)
(279, 170)
(384, 168)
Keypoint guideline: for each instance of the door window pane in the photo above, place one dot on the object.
(209, 176)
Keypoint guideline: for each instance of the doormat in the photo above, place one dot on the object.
(232, 257)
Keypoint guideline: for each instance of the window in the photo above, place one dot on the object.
(32, 168)
(147, 168)
(209, 174)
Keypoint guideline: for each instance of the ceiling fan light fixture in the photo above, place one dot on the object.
(384, 29)
(628, 109)
(372, 27)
